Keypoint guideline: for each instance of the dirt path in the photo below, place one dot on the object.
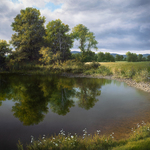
(141, 85)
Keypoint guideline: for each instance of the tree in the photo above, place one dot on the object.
(58, 38)
(119, 57)
(29, 28)
(131, 57)
(148, 58)
(109, 57)
(4, 49)
(140, 57)
(144, 59)
(89, 56)
(101, 57)
(85, 37)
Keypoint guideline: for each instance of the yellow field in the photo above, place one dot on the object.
(139, 71)
(126, 65)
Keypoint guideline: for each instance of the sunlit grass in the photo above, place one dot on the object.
(138, 71)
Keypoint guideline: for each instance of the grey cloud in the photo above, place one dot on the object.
(117, 25)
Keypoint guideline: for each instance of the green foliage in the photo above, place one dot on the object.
(107, 57)
(4, 49)
(47, 55)
(85, 37)
(93, 65)
(58, 38)
(87, 56)
(140, 57)
(148, 58)
(119, 57)
(132, 57)
(141, 75)
(29, 28)
(101, 70)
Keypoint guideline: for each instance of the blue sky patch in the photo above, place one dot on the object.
(52, 6)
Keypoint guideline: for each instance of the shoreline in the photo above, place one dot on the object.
(141, 85)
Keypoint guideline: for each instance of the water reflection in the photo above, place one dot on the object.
(34, 95)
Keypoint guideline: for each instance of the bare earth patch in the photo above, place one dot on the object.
(141, 85)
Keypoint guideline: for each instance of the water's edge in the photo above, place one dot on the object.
(141, 85)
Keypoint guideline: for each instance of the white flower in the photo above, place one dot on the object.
(72, 136)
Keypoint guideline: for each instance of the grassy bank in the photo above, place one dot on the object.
(139, 139)
(138, 71)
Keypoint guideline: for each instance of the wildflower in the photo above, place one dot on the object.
(112, 137)
(72, 136)
(53, 138)
(32, 138)
(56, 144)
(113, 133)
(110, 134)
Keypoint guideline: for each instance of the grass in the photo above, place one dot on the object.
(139, 139)
(138, 71)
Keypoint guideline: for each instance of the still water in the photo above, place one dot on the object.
(37, 105)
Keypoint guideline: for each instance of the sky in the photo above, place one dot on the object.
(119, 26)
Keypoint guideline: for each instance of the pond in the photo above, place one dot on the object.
(37, 105)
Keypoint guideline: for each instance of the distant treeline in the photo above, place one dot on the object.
(107, 57)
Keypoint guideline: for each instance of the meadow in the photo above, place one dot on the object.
(138, 71)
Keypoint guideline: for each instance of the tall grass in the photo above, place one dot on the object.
(139, 139)
(138, 71)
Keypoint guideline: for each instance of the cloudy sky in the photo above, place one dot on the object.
(119, 25)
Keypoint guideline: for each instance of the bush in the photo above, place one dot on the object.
(141, 76)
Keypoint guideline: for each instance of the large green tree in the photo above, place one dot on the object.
(29, 28)
(85, 37)
(58, 39)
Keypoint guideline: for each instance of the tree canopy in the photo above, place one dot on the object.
(58, 39)
(4, 49)
(85, 37)
(29, 28)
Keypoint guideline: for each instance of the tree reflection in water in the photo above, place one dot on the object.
(33, 95)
